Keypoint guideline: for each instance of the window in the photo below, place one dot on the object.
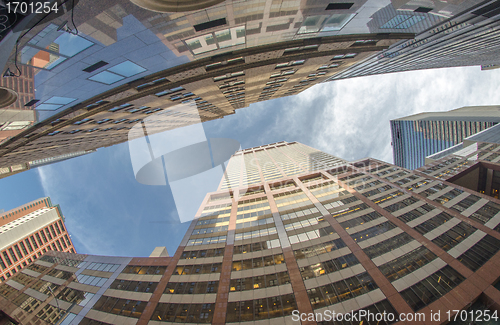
(103, 121)
(402, 22)
(54, 103)
(63, 46)
(118, 108)
(82, 121)
(218, 40)
(118, 72)
(339, 6)
(291, 63)
(210, 24)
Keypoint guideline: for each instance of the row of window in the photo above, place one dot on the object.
(210, 230)
(106, 267)
(432, 288)
(91, 280)
(334, 265)
(310, 235)
(183, 313)
(387, 245)
(480, 253)
(138, 269)
(257, 262)
(373, 231)
(378, 308)
(341, 290)
(252, 310)
(347, 211)
(123, 307)
(206, 241)
(454, 236)
(255, 223)
(210, 221)
(416, 213)
(319, 249)
(258, 282)
(433, 223)
(8, 257)
(367, 185)
(255, 233)
(377, 190)
(192, 287)
(401, 204)
(407, 263)
(203, 253)
(137, 286)
(360, 220)
(198, 269)
(299, 213)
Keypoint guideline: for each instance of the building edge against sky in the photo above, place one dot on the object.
(301, 230)
(29, 231)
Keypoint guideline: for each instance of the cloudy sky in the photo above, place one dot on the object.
(109, 213)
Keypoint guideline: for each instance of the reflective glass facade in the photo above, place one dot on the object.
(324, 235)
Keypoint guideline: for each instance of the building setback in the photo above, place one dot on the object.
(29, 231)
(418, 136)
(297, 229)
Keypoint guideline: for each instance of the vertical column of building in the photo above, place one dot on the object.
(162, 285)
(299, 289)
(225, 274)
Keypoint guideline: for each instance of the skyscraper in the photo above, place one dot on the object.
(418, 136)
(29, 231)
(130, 62)
(298, 229)
(456, 41)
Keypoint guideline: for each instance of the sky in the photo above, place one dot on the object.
(109, 213)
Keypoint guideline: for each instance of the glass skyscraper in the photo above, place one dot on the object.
(418, 136)
(297, 231)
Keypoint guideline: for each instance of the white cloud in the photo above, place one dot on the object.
(353, 120)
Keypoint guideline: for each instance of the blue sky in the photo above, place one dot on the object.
(109, 213)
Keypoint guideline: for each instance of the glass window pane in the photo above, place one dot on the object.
(106, 77)
(127, 69)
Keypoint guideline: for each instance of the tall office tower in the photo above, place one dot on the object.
(418, 136)
(29, 231)
(130, 63)
(457, 41)
(298, 230)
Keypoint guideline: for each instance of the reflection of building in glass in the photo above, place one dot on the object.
(13, 121)
(28, 232)
(215, 87)
(389, 19)
(458, 41)
(128, 62)
(436, 7)
(23, 86)
(303, 230)
(418, 136)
